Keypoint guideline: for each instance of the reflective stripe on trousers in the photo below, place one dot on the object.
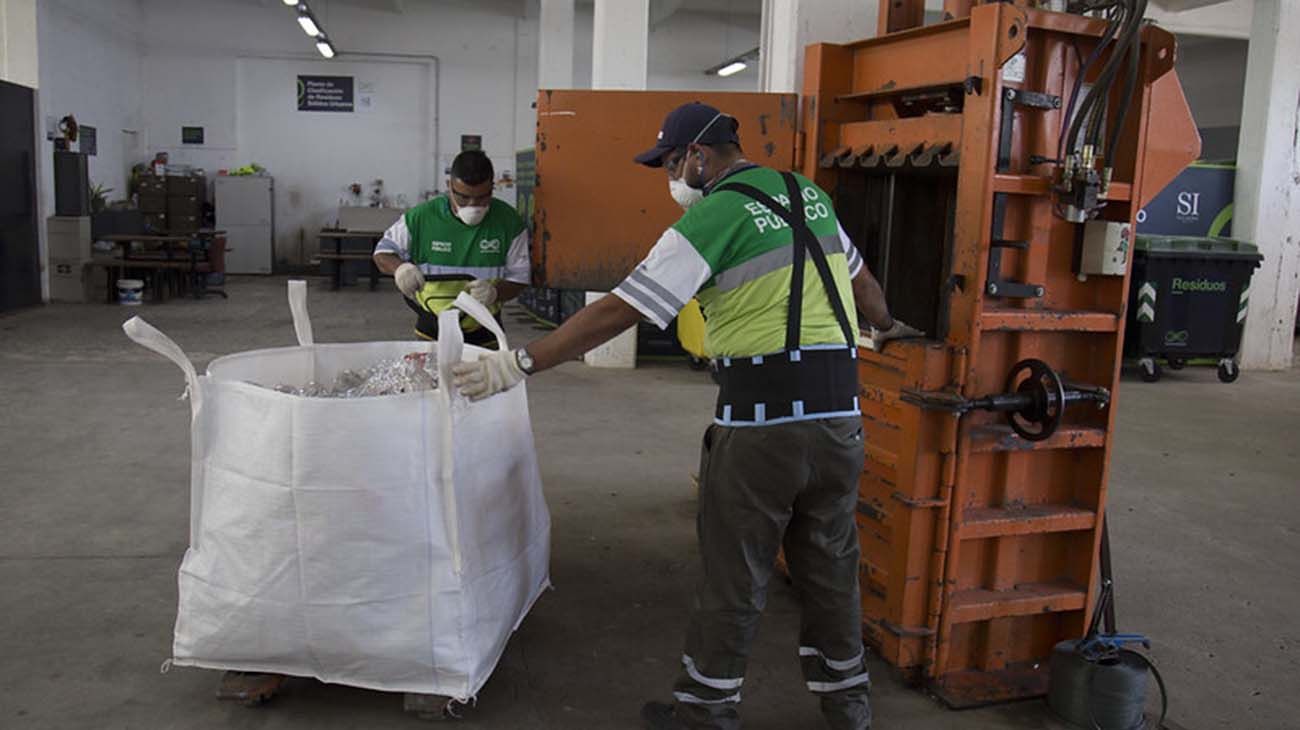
(824, 675)
(759, 492)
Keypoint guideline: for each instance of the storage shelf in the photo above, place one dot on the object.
(1025, 599)
(1002, 438)
(985, 522)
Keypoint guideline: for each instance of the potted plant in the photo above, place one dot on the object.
(99, 198)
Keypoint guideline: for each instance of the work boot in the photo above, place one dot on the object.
(663, 716)
(851, 712)
(249, 688)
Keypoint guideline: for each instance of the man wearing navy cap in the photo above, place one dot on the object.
(777, 278)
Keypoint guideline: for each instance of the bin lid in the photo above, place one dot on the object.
(1208, 246)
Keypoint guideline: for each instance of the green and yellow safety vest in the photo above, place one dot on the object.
(736, 256)
(451, 253)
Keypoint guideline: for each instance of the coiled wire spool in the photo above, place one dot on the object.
(1105, 695)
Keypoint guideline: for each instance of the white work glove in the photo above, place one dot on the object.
(484, 290)
(898, 330)
(492, 373)
(409, 280)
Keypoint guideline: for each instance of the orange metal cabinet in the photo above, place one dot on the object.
(597, 212)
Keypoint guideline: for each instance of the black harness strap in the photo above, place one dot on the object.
(805, 244)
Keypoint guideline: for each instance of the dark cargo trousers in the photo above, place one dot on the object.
(795, 486)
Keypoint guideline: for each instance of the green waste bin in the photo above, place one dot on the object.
(1188, 299)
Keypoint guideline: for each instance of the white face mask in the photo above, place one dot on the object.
(471, 215)
(684, 194)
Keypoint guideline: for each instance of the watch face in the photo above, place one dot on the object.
(525, 360)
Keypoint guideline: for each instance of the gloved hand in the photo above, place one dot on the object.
(409, 280)
(484, 290)
(898, 330)
(492, 373)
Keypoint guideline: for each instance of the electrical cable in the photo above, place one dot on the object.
(1099, 96)
(1130, 85)
(1076, 118)
(1068, 119)
(1127, 45)
(1090, 123)
(1118, 700)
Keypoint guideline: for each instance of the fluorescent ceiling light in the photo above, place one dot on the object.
(733, 65)
(732, 68)
(308, 24)
(323, 45)
(290, 2)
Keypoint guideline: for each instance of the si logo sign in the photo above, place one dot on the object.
(490, 245)
(1189, 206)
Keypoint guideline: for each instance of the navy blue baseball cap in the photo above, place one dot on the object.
(693, 123)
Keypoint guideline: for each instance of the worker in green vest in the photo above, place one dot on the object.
(778, 280)
(466, 240)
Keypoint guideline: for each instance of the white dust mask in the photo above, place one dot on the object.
(684, 194)
(471, 215)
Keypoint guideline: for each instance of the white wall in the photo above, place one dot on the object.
(183, 91)
(234, 74)
(331, 150)
(1227, 18)
(90, 68)
(19, 61)
(681, 47)
(789, 26)
(1213, 74)
(153, 66)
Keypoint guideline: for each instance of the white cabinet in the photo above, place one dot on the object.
(246, 212)
(68, 238)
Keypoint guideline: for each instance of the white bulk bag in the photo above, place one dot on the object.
(389, 542)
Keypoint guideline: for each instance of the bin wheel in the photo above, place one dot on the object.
(1228, 371)
(1176, 363)
(699, 363)
(1150, 369)
(249, 689)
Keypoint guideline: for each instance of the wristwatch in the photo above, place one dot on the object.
(524, 361)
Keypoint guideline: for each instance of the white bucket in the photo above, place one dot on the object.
(130, 292)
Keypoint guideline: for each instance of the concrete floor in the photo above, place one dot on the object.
(93, 522)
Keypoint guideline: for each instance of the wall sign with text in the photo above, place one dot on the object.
(1197, 203)
(326, 94)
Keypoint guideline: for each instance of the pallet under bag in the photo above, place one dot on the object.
(390, 542)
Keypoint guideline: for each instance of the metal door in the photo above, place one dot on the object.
(20, 267)
(598, 212)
